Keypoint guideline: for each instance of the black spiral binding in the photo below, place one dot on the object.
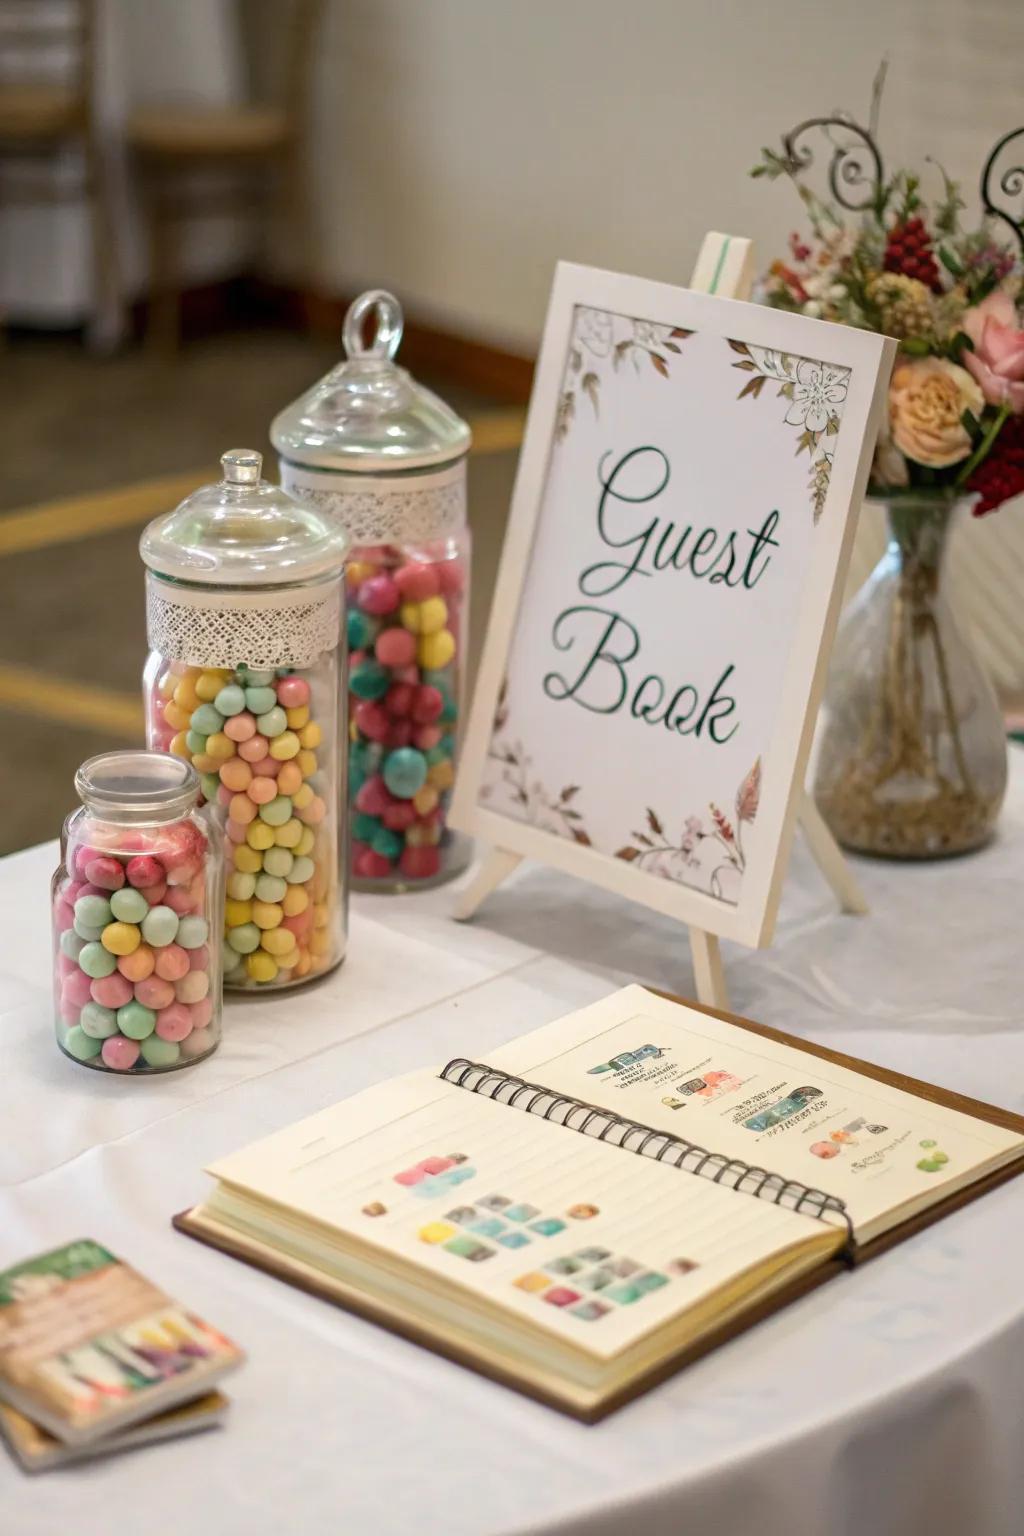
(733, 1172)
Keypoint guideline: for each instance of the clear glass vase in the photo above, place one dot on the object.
(913, 753)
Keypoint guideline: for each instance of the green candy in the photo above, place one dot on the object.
(259, 700)
(160, 1053)
(128, 905)
(80, 1045)
(362, 630)
(277, 811)
(93, 911)
(356, 780)
(159, 926)
(206, 720)
(96, 961)
(365, 827)
(136, 1021)
(71, 944)
(98, 1022)
(210, 784)
(369, 680)
(230, 700)
(244, 939)
(195, 742)
(87, 933)
(270, 888)
(301, 871)
(278, 861)
(272, 722)
(250, 677)
(387, 843)
(193, 931)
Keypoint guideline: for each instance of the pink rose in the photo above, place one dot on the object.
(997, 361)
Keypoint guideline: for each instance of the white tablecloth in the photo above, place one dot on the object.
(888, 1402)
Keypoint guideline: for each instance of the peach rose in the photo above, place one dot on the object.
(927, 397)
(997, 361)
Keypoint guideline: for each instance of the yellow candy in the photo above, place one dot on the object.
(297, 717)
(247, 859)
(288, 835)
(277, 941)
(310, 736)
(283, 747)
(259, 835)
(321, 915)
(353, 732)
(423, 834)
(237, 912)
(240, 885)
(425, 799)
(358, 572)
(307, 762)
(261, 966)
(121, 938)
(176, 717)
(179, 747)
(209, 684)
(441, 775)
(321, 942)
(167, 685)
(436, 651)
(185, 695)
(303, 964)
(289, 960)
(295, 901)
(219, 747)
(303, 796)
(204, 763)
(267, 914)
(305, 843)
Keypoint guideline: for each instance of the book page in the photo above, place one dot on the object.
(737, 1093)
(573, 1237)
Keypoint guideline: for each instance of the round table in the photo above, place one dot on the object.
(887, 1402)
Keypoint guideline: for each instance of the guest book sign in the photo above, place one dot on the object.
(669, 587)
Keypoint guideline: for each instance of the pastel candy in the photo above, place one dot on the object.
(404, 772)
(71, 944)
(192, 931)
(272, 721)
(293, 692)
(96, 960)
(160, 926)
(276, 861)
(192, 988)
(258, 700)
(121, 938)
(97, 1021)
(77, 989)
(241, 727)
(241, 885)
(202, 1013)
(417, 581)
(378, 595)
(120, 1054)
(129, 905)
(138, 965)
(199, 959)
(207, 720)
(112, 991)
(277, 811)
(271, 887)
(301, 871)
(136, 1020)
(231, 700)
(173, 1022)
(154, 992)
(160, 1053)
(257, 677)
(92, 912)
(253, 748)
(244, 939)
(143, 871)
(81, 1045)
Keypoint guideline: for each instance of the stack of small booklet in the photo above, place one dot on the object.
(94, 1359)
(605, 1198)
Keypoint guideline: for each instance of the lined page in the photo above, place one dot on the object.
(744, 1096)
(579, 1239)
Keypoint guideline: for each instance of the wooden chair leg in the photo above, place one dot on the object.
(162, 330)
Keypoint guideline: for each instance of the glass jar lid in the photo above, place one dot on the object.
(243, 532)
(368, 414)
(137, 786)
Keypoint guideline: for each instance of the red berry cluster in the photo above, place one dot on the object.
(1001, 474)
(908, 250)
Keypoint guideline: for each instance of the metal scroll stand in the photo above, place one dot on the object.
(724, 267)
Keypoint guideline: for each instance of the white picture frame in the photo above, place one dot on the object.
(865, 361)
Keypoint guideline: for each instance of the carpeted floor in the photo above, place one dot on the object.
(73, 427)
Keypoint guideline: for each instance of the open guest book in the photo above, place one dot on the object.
(605, 1197)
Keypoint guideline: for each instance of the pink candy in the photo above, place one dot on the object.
(418, 581)
(154, 992)
(120, 1053)
(144, 871)
(396, 647)
(374, 797)
(253, 749)
(293, 692)
(378, 595)
(198, 959)
(77, 989)
(105, 872)
(202, 1013)
(240, 728)
(112, 991)
(372, 720)
(172, 962)
(179, 900)
(427, 705)
(174, 1022)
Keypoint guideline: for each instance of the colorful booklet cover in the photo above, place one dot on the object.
(39, 1451)
(89, 1346)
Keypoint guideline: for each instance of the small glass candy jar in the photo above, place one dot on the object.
(386, 460)
(137, 980)
(244, 610)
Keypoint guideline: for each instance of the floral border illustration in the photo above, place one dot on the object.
(816, 395)
(532, 802)
(601, 339)
(719, 836)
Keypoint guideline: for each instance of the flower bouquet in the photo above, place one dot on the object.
(913, 756)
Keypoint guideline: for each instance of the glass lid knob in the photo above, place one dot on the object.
(387, 331)
(241, 466)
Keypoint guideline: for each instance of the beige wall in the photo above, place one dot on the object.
(463, 146)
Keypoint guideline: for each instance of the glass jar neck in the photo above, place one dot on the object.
(137, 788)
(918, 533)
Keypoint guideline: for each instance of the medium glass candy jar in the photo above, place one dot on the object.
(136, 902)
(386, 460)
(244, 609)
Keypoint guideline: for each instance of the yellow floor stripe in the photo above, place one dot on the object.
(79, 517)
(70, 703)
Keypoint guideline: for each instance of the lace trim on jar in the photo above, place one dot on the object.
(260, 629)
(375, 509)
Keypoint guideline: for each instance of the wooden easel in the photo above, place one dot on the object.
(724, 267)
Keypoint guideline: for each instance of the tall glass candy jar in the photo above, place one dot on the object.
(244, 611)
(385, 459)
(137, 976)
